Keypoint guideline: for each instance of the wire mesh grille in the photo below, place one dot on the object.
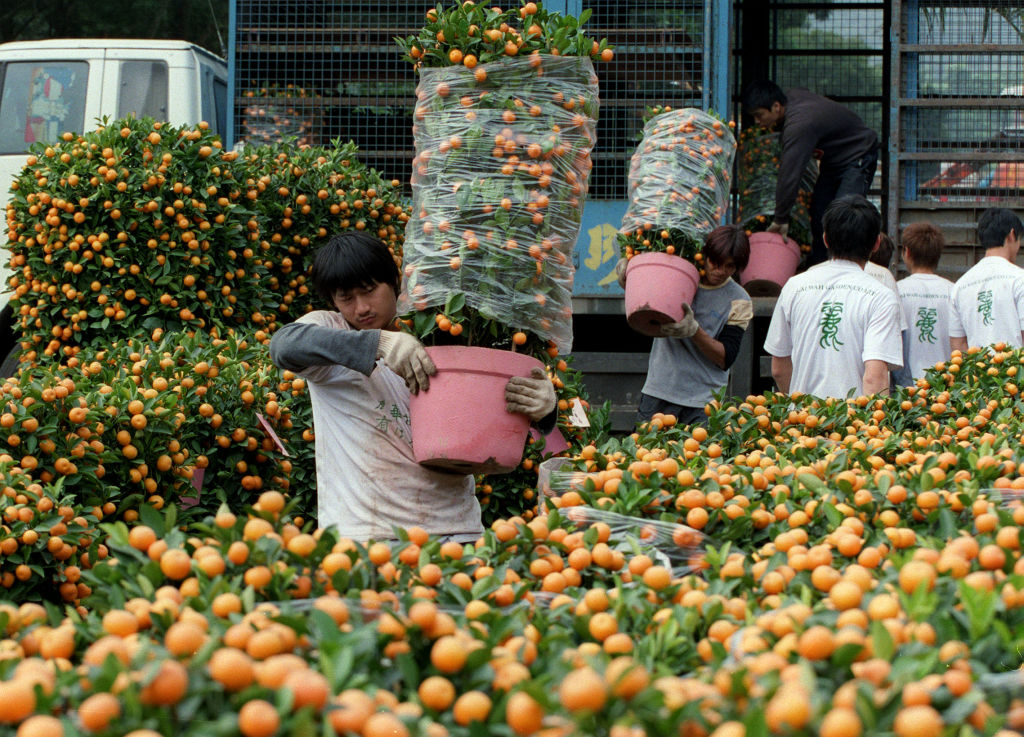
(961, 86)
(833, 51)
(659, 60)
(318, 71)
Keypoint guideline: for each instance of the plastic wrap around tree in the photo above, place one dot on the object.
(499, 178)
(679, 179)
(757, 174)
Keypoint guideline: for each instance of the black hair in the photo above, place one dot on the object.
(762, 93)
(852, 225)
(727, 242)
(882, 255)
(923, 242)
(995, 225)
(352, 260)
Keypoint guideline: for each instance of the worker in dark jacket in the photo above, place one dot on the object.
(812, 125)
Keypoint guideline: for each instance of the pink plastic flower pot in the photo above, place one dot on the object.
(657, 285)
(460, 424)
(773, 260)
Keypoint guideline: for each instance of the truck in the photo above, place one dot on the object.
(56, 85)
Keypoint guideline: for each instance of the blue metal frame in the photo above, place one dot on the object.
(229, 134)
(910, 70)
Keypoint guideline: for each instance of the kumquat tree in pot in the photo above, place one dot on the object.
(504, 124)
(679, 180)
(773, 259)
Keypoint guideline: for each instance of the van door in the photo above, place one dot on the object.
(215, 100)
(136, 86)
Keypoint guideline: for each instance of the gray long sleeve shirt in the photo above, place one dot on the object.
(298, 346)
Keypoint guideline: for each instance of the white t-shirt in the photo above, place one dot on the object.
(367, 477)
(986, 305)
(885, 276)
(925, 302)
(830, 320)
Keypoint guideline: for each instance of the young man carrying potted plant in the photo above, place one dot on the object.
(690, 359)
(361, 372)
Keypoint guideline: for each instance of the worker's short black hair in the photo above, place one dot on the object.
(762, 93)
(727, 242)
(923, 244)
(352, 260)
(995, 225)
(852, 225)
(882, 254)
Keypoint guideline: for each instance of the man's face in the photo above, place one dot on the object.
(1013, 240)
(768, 117)
(715, 275)
(368, 308)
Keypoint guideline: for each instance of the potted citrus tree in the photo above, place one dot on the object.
(773, 259)
(679, 179)
(504, 124)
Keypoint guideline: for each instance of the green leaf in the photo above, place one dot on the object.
(407, 666)
(454, 304)
(152, 518)
(882, 641)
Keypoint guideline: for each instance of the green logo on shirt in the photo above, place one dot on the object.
(926, 318)
(831, 316)
(985, 306)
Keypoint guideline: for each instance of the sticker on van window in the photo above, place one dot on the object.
(47, 107)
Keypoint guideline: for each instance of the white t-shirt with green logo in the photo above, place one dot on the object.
(925, 302)
(830, 320)
(987, 303)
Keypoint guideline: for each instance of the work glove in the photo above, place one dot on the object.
(685, 328)
(407, 357)
(780, 228)
(620, 272)
(533, 395)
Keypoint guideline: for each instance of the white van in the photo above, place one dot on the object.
(57, 85)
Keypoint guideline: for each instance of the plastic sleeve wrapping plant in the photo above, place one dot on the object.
(673, 544)
(679, 181)
(499, 178)
(757, 173)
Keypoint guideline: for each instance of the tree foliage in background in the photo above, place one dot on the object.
(203, 22)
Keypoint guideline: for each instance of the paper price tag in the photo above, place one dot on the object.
(273, 435)
(578, 415)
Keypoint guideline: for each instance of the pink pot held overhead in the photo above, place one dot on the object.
(657, 285)
(460, 424)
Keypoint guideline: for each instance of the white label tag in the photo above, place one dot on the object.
(578, 415)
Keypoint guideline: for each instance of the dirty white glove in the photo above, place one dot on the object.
(533, 395)
(780, 228)
(407, 357)
(685, 328)
(620, 272)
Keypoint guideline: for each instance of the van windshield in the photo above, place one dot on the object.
(39, 100)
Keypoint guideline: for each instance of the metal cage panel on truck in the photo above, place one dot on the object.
(957, 117)
(317, 71)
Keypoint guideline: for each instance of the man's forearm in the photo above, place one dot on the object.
(876, 379)
(782, 372)
(712, 349)
(957, 344)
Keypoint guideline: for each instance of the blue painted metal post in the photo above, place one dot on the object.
(229, 134)
(909, 134)
(717, 68)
